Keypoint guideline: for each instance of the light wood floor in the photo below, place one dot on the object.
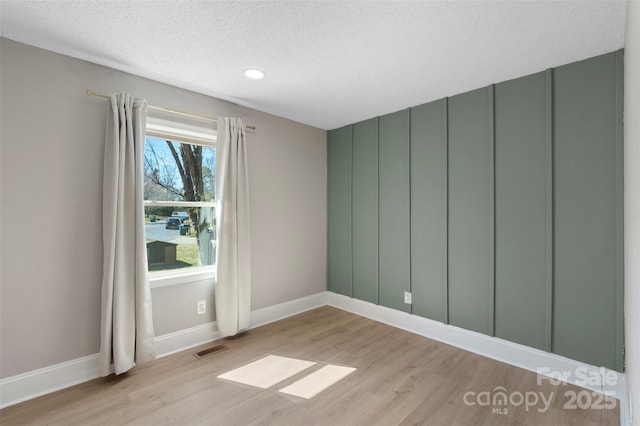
(402, 378)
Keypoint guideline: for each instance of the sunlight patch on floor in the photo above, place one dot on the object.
(274, 369)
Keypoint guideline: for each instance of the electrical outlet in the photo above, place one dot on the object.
(202, 307)
(407, 297)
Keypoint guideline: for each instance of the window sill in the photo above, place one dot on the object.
(169, 278)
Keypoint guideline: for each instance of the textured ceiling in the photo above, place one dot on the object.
(327, 63)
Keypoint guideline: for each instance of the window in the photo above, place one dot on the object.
(179, 193)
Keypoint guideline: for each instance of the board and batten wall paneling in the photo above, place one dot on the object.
(500, 209)
(470, 227)
(393, 174)
(586, 211)
(365, 210)
(339, 273)
(521, 208)
(429, 210)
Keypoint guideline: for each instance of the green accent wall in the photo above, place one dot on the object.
(365, 210)
(521, 169)
(429, 210)
(470, 119)
(339, 236)
(500, 209)
(585, 182)
(393, 175)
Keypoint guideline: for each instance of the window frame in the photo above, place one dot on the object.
(179, 132)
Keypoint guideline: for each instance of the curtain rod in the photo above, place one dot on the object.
(173, 111)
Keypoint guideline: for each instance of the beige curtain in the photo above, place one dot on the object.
(233, 255)
(127, 327)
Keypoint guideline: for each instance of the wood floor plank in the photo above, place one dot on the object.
(401, 378)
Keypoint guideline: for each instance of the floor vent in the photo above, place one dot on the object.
(209, 351)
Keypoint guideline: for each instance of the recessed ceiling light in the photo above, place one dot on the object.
(254, 74)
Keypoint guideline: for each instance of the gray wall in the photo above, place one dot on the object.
(508, 202)
(632, 205)
(51, 169)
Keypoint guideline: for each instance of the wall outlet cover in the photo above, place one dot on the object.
(407, 297)
(202, 307)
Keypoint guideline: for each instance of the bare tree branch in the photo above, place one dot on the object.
(155, 180)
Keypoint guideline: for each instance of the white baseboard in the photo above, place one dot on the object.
(625, 406)
(45, 380)
(531, 359)
(29, 385)
(283, 310)
(188, 338)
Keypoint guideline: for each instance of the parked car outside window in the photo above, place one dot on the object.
(173, 223)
